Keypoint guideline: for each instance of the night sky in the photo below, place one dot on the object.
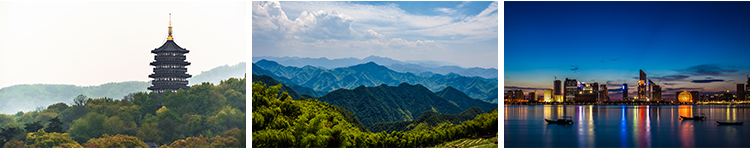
(693, 46)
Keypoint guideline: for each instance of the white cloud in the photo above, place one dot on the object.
(341, 29)
(445, 10)
(463, 4)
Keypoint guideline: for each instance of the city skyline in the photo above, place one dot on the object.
(682, 46)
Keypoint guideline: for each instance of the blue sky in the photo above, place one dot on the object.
(464, 33)
(702, 46)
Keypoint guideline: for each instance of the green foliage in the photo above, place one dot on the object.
(14, 144)
(385, 103)
(33, 127)
(322, 125)
(54, 125)
(206, 109)
(191, 142)
(426, 120)
(49, 140)
(116, 141)
(9, 133)
(90, 126)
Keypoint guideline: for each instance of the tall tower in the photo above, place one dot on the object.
(624, 92)
(558, 91)
(571, 89)
(741, 91)
(642, 87)
(169, 68)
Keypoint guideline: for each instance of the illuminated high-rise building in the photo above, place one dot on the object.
(518, 95)
(557, 88)
(558, 91)
(571, 89)
(641, 96)
(547, 95)
(603, 93)
(624, 92)
(656, 93)
(741, 92)
(695, 96)
(532, 97)
(510, 96)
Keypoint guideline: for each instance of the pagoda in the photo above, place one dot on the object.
(169, 67)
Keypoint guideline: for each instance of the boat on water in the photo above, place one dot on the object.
(564, 120)
(695, 117)
(729, 123)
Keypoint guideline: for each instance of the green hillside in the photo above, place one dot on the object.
(388, 103)
(426, 120)
(206, 115)
(471, 143)
(279, 121)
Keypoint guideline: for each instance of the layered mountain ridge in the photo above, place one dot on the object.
(372, 74)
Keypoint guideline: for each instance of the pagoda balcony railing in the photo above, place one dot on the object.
(167, 82)
(170, 70)
(183, 63)
(170, 57)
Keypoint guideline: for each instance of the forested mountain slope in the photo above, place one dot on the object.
(388, 103)
(371, 74)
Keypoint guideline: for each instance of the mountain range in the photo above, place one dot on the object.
(404, 102)
(372, 74)
(426, 68)
(27, 97)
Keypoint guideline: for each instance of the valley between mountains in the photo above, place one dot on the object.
(372, 99)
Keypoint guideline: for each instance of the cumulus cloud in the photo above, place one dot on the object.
(445, 10)
(270, 22)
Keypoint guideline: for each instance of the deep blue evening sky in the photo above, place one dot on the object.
(694, 46)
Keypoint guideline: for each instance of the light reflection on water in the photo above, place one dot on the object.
(625, 126)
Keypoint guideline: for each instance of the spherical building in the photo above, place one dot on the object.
(685, 96)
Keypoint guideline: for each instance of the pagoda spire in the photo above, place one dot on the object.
(170, 28)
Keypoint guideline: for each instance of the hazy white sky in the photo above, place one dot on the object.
(92, 43)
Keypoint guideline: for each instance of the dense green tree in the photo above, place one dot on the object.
(48, 140)
(90, 126)
(54, 125)
(33, 127)
(115, 141)
(9, 133)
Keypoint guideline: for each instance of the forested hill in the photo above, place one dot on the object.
(388, 103)
(279, 121)
(426, 120)
(28, 97)
(219, 73)
(205, 115)
(463, 101)
(372, 74)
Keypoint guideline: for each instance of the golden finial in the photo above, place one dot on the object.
(170, 28)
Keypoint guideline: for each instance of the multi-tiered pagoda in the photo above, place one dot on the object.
(170, 73)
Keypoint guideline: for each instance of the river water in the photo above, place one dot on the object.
(626, 126)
